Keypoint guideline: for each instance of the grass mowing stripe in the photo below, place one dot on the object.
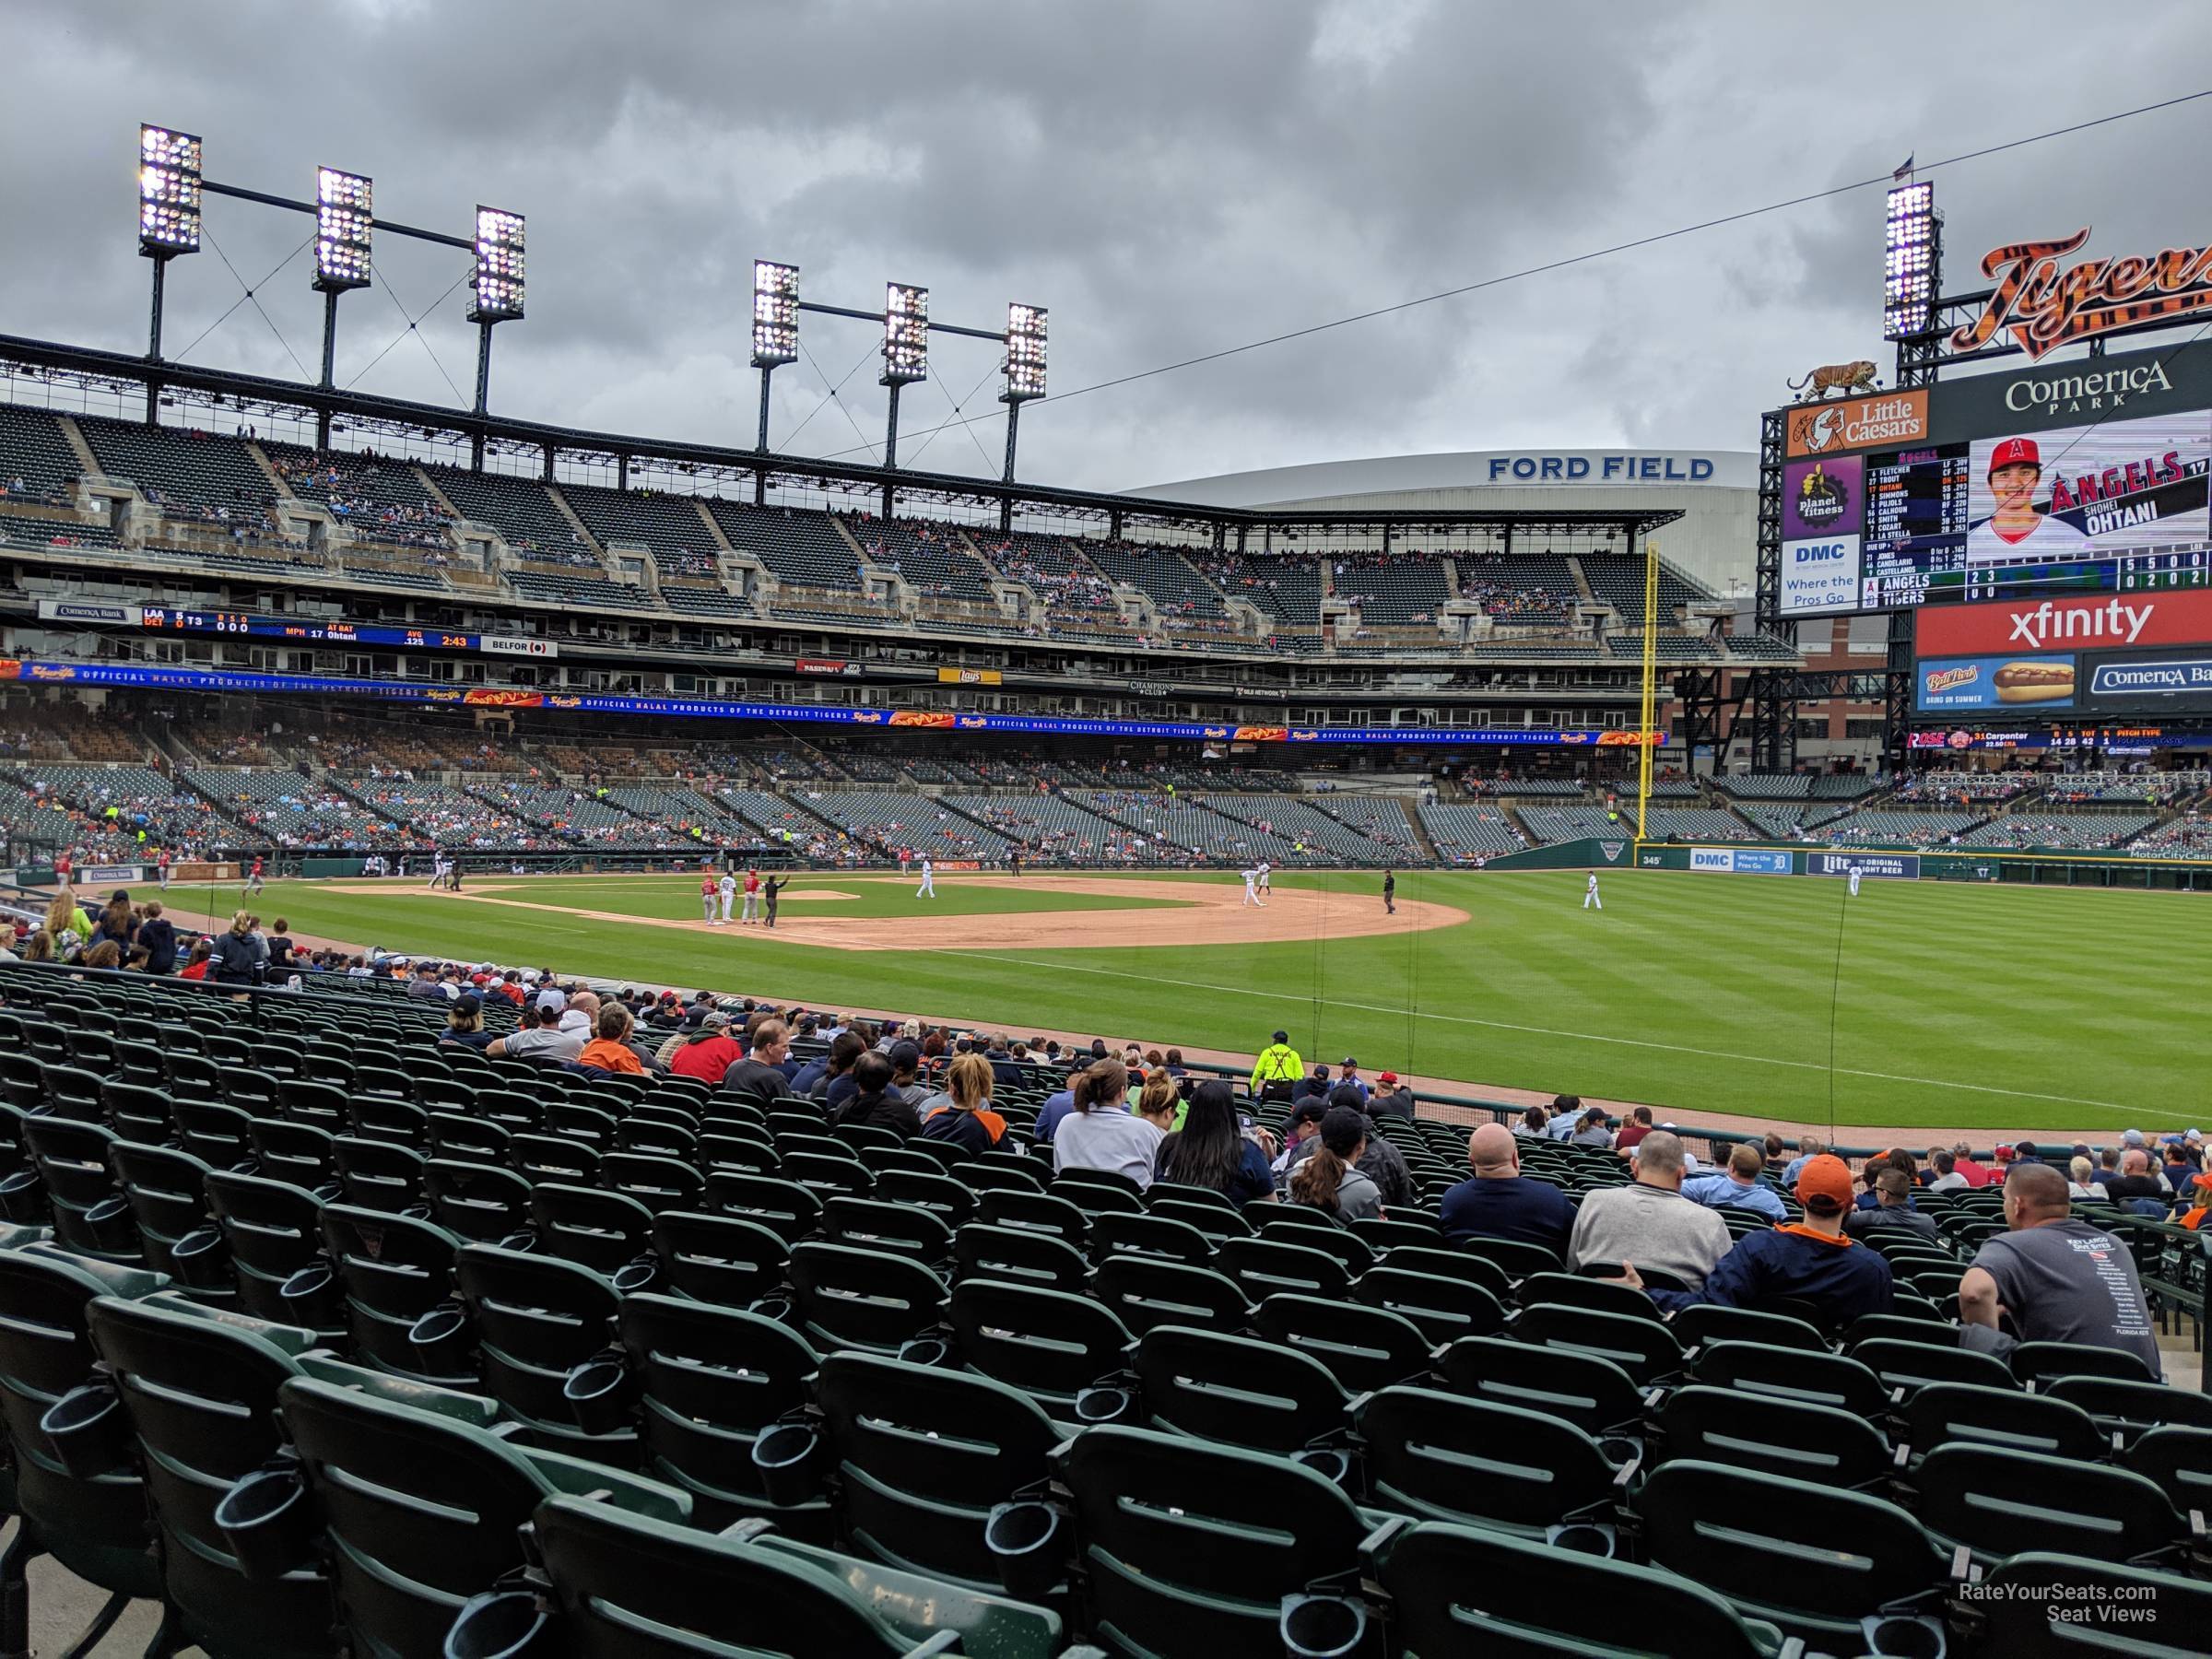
(2052, 1007)
(1499, 1025)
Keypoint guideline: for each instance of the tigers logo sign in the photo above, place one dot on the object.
(2043, 306)
(1856, 423)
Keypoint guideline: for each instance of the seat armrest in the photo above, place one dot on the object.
(577, 1478)
(472, 1409)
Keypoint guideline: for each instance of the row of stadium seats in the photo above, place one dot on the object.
(945, 1380)
(2070, 831)
(374, 801)
(403, 513)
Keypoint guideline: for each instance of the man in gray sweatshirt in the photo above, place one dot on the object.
(1650, 1223)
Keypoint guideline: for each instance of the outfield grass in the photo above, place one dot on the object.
(2001, 1007)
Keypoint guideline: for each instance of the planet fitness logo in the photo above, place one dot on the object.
(1822, 500)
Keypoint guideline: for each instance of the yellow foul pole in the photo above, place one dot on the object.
(1647, 729)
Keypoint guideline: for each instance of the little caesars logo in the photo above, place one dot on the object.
(1894, 418)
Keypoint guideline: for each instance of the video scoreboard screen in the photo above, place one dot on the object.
(2088, 476)
(1915, 524)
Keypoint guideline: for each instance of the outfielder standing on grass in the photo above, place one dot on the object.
(253, 876)
(928, 889)
(1590, 897)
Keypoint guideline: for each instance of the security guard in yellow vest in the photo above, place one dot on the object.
(1278, 1068)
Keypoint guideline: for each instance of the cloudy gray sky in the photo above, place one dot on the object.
(1170, 177)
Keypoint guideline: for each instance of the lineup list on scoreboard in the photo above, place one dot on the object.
(1915, 524)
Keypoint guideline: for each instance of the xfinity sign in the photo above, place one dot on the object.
(2115, 622)
(1971, 630)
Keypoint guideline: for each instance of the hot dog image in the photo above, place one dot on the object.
(2034, 682)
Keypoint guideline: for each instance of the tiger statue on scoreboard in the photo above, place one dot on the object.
(1846, 378)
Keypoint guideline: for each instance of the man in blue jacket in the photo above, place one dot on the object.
(1500, 1201)
(1814, 1261)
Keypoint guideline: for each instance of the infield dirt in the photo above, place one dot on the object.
(1192, 913)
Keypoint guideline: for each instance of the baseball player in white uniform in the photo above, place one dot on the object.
(1252, 881)
(727, 888)
(1266, 874)
(928, 889)
(1590, 895)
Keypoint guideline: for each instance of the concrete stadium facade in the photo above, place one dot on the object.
(1715, 491)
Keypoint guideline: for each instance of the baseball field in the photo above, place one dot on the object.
(1998, 1008)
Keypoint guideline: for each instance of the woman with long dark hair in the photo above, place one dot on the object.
(116, 923)
(1328, 1179)
(1210, 1149)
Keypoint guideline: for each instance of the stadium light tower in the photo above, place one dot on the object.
(500, 246)
(905, 358)
(1909, 261)
(775, 339)
(1025, 380)
(345, 219)
(169, 215)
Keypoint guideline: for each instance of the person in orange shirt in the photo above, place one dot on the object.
(608, 1051)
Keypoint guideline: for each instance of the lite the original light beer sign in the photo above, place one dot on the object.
(2044, 306)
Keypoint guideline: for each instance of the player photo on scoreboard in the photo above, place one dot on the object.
(2089, 492)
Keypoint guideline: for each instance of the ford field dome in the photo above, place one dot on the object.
(1715, 491)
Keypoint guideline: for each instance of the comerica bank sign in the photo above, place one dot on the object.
(1582, 469)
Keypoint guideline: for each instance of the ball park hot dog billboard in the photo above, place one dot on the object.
(2130, 652)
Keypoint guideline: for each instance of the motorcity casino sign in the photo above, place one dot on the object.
(2044, 305)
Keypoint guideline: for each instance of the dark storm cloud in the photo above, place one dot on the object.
(1169, 178)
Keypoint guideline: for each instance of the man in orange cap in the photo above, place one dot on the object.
(1813, 1260)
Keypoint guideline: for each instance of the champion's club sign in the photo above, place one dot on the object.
(2044, 305)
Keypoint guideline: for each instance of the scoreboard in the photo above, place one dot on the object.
(2072, 477)
(1915, 524)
